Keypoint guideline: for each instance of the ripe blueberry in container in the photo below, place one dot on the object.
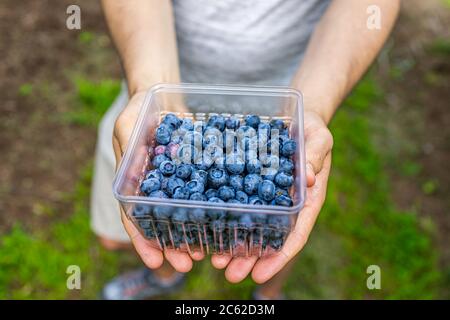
(183, 171)
(150, 185)
(167, 108)
(163, 134)
(167, 167)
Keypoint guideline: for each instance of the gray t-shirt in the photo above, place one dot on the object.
(244, 41)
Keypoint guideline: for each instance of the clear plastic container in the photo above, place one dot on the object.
(264, 235)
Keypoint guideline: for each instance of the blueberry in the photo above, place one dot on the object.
(218, 225)
(141, 210)
(251, 183)
(197, 215)
(172, 121)
(167, 167)
(150, 185)
(284, 180)
(171, 150)
(187, 124)
(288, 148)
(234, 164)
(162, 212)
(217, 177)
(270, 161)
(215, 214)
(277, 124)
(229, 140)
(245, 131)
(234, 201)
(197, 196)
(177, 137)
(269, 174)
(263, 134)
(256, 200)
(266, 190)
(200, 175)
(232, 123)
(284, 132)
(217, 121)
(163, 134)
(157, 160)
(276, 243)
(194, 138)
(195, 186)
(259, 218)
(279, 220)
(252, 121)
(150, 233)
(242, 197)
(183, 171)
(281, 192)
(158, 194)
(205, 162)
(187, 154)
(226, 193)
(246, 221)
(264, 128)
(283, 200)
(219, 162)
(180, 215)
(273, 146)
(144, 223)
(172, 184)
(154, 174)
(248, 143)
(237, 182)
(211, 193)
(161, 149)
(212, 137)
(254, 166)
(286, 165)
(181, 193)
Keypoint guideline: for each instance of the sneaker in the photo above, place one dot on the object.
(139, 285)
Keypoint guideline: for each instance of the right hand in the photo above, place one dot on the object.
(151, 256)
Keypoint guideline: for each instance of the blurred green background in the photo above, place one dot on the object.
(388, 196)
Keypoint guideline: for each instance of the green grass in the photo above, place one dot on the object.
(359, 226)
(25, 89)
(440, 46)
(34, 262)
(92, 101)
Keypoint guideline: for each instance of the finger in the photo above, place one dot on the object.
(180, 261)
(310, 175)
(197, 255)
(267, 267)
(220, 261)
(124, 124)
(151, 256)
(239, 268)
(317, 146)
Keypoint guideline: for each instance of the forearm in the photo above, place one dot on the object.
(144, 34)
(340, 51)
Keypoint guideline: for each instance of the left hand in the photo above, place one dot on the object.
(318, 145)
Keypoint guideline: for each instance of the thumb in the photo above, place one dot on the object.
(317, 146)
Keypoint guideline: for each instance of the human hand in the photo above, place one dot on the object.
(150, 255)
(318, 145)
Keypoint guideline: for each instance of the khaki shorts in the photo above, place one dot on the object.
(105, 213)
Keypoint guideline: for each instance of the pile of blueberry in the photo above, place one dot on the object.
(219, 161)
